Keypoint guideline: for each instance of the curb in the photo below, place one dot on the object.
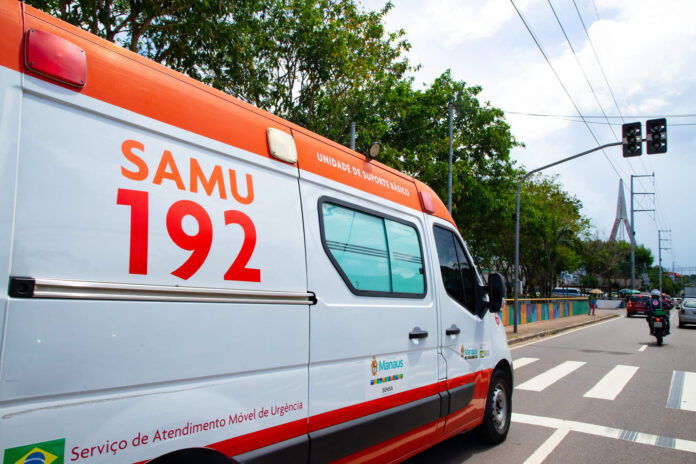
(545, 333)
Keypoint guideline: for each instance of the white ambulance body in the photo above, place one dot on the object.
(191, 279)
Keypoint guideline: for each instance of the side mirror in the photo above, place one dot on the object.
(496, 292)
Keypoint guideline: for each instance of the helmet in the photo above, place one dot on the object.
(655, 292)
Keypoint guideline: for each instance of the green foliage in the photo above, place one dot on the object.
(609, 262)
(550, 227)
(314, 62)
(325, 63)
(668, 286)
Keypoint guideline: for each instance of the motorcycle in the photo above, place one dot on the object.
(658, 320)
(659, 327)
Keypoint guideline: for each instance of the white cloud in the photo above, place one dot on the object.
(647, 51)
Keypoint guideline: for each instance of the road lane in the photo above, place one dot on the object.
(642, 409)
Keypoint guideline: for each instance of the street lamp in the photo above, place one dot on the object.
(517, 220)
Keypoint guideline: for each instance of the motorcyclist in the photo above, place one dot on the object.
(657, 308)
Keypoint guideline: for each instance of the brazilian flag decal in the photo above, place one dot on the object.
(47, 452)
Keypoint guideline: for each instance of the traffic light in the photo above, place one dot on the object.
(631, 136)
(656, 134)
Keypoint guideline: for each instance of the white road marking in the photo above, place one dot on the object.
(642, 348)
(542, 339)
(518, 363)
(607, 432)
(547, 447)
(612, 383)
(542, 381)
(689, 394)
(682, 391)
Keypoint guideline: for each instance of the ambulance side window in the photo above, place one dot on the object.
(457, 274)
(374, 255)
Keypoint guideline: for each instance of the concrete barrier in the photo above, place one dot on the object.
(609, 304)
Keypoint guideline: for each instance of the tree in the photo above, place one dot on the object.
(317, 63)
(550, 227)
(325, 63)
(610, 262)
(415, 140)
(668, 286)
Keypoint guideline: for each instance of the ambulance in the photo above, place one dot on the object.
(191, 279)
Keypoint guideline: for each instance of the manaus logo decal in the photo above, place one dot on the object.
(468, 353)
(47, 452)
(374, 366)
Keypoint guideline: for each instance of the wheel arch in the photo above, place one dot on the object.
(189, 455)
(505, 367)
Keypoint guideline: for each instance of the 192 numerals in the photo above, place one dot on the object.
(198, 244)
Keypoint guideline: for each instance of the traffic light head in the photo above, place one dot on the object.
(656, 134)
(631, 136)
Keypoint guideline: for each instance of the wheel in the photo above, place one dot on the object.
(681, 325)
(192, 455)
(659, 340)
(496, 418)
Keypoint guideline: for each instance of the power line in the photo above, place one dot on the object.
(634, 116)
(595, 9)
(597, 58)
(582, 69)
(519, 13)
(572, 118)
(588, 83)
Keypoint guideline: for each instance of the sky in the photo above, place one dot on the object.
(638, 63)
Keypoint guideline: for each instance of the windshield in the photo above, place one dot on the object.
(689, 304)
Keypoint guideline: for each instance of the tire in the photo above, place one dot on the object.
(496, 418)
(681, 325)
(659, 340)
(192, 455)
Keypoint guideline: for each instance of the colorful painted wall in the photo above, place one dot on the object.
(537, 309)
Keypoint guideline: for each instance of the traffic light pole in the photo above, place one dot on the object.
(516, 283)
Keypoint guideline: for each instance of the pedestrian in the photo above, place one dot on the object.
(592, 305)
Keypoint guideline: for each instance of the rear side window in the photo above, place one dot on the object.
(374, 255)
(457, 272)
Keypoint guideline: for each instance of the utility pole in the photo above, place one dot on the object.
(352, 135)
(660, 247)
(449, 172)
(633, 228)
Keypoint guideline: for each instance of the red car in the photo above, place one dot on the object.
(638, 304)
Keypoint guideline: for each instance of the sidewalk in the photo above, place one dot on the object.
(538, 329)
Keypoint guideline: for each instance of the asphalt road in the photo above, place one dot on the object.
(602, 393)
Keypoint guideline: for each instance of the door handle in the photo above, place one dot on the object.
(417, 333)
(453, 330)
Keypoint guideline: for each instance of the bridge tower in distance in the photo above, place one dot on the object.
(621, 216)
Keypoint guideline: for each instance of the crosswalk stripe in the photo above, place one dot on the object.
(547, 447)
(606, 432)
(518, 363)
(689, 394)
(612, 383)
(682, 391)
(542, 381)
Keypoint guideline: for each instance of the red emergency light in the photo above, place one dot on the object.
(55, 58)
